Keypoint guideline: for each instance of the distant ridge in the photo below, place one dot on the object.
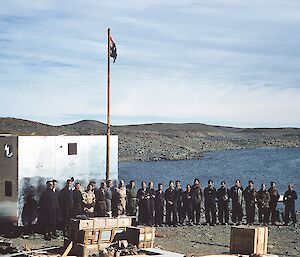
(164, 141)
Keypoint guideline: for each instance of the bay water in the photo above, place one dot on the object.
(263, 165)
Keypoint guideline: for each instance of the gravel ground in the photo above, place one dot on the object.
(204, 240)
(284, 241)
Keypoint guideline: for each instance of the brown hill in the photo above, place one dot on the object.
(164, 141)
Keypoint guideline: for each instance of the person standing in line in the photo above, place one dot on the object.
(179, 203)
(66, 205)
(143, 203)
(236, 195)
(289, 198)
(250, 199)
(109, 195)
(89, 201)
(48, 211)
(121, 198)
(100, 207)
(151, 193)
(77, 201)
(223, 200)
(58, 214)
(159, 205)
(171, 198)
(188, 204)
(210, 195)
(197, 193)
(263, 199)
(274, 197)
(131, 199)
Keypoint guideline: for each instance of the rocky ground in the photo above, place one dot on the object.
(164, 141)
(205, 240)
(284, 241)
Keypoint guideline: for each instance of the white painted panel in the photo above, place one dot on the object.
(45, 158)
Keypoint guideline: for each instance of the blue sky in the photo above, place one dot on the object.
(218, 62)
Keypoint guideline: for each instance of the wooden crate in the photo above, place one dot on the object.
(141, 234)
(111, 223)
(87, 250)
(149, 244)
(124, 221)
(99, 223)
(249, 240)
(76, 224)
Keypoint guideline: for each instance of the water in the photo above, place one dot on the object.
(281, 165)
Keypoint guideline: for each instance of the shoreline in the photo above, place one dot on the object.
(201, 155)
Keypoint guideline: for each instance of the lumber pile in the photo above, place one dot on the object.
(249, 240)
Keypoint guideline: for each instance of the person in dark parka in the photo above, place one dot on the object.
(210, 195)
(66, 205)
(250, 199)
(289, 201)
(131, 199)
(144, 205)
(109, 194)
(197, 193)
(263, 202)
(159, 203)
(223, 202)
(100, 206)
(171, 201)
(77, 201)
(236, 195)
(188, 204)
(151, 193)
(179, 204)
(274, 197)
(48, 211)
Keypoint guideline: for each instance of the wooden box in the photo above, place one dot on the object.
(249, 240)
(137, 235)
(111, 223)
(76, 224)
(87, 250)
(99, 223)
(149, 244)
(124, 221)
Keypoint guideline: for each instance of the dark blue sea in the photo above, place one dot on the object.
(281, 165)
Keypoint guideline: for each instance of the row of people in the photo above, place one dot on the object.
(177, 205)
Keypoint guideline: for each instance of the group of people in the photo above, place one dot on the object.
(173, 206)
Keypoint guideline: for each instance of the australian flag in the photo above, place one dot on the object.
(113, 49)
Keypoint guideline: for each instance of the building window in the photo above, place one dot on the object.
(72, 148)
(8, 188)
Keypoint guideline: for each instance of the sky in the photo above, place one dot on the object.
(220, 62)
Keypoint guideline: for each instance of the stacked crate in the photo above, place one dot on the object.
(249, 240)
(141, 236)
(95, 234)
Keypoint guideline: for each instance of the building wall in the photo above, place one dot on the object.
(42, 158)
(8, 178)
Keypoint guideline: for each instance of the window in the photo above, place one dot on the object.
(72, 148)
(8, 188)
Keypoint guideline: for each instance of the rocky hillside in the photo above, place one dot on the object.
(163, 141)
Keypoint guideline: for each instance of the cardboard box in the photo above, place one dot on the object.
(249, 240)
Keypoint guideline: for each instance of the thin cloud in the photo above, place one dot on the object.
(224, 62)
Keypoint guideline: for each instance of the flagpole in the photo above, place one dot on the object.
(108, 109)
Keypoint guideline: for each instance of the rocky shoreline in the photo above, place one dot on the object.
(165, 141)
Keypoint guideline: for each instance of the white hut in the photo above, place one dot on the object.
(27, 162)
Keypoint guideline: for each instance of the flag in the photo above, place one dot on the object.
(113, 49)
